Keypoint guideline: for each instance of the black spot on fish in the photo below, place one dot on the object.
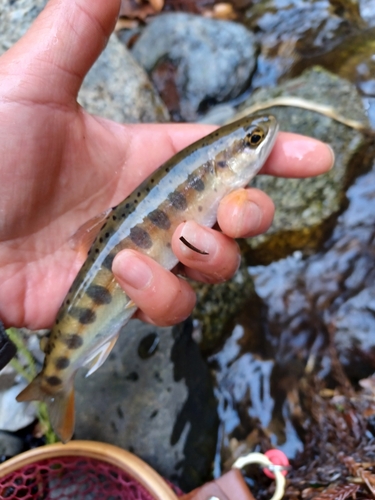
(108, 261)
(127, 205)
(72, 341)
(178, 200)
(139, 194)
(200, 208)
(84, 315)
(159, 219)
(99, 294)
(140, 237)
(53, 380)
(195, 182)
(62, 363)
(114, 217)
(221, 164)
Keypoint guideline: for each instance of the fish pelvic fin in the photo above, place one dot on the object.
(60, 406)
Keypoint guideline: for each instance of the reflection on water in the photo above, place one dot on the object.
(315, 311)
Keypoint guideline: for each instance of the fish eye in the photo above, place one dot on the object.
(255, 137)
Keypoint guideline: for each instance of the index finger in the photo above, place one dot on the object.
(296, 155)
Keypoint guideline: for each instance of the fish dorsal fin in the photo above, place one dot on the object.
(100, 355)
(85, 235)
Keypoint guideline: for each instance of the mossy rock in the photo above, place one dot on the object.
(307, 208)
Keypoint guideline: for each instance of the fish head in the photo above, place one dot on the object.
(252, 139)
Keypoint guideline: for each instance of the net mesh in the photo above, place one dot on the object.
(69, 478)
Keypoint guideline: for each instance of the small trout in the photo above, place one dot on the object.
(188, 186)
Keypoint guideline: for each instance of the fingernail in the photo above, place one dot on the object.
(249, 218)
(133, 271)
(200, 238)
(332, 154)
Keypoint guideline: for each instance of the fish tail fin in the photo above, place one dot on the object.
(60, 407)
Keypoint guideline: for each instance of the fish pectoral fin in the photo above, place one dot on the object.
(85, 235)
(100, 355)
(60, 407)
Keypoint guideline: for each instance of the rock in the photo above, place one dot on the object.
(10, 445)
(354, 337)
(305, 208)
(13, 415)
(116, 87)
(327, 300)
(218, 304)
(16, 18)
(293, 31)
(200, 61)
(154, 397)
(367, 11)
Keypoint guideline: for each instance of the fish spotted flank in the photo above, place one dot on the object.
(187, 187)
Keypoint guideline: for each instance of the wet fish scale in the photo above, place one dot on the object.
(187, 187)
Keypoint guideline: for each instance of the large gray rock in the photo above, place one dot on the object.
(305, 208)
(213, 60)
(291, 32)
(116, 87)
(154, 397)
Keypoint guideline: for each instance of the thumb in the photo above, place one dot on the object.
(50, 61)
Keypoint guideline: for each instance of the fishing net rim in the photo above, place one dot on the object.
(124, 460)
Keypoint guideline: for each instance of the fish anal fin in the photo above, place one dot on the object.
(130, 305)
(100, 355)
(85, 235)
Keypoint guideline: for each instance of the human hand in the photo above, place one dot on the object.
(61, 166)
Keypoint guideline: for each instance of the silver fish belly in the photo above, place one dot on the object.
(187, 187)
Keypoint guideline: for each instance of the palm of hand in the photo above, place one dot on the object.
(60, 167)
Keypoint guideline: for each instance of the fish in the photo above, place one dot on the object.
(189, 186)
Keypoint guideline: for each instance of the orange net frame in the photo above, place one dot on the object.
(72, 477)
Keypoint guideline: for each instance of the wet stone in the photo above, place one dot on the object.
(10, 445)
(116, 87)
(168, 411)
(290, 32)
(306, 208)
(174, 49)
(148, 345)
